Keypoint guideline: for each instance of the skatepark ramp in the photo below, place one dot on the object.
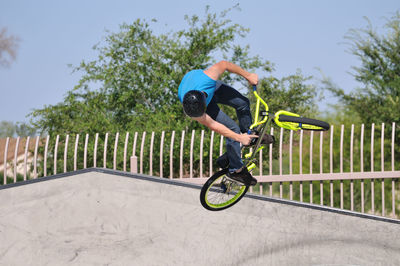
(104, 217)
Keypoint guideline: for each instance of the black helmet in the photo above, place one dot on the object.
(194, 103)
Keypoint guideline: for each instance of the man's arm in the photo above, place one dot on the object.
(216, 71)
(206, 120)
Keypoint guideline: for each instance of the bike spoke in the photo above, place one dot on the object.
(218, 194)
(221, 192)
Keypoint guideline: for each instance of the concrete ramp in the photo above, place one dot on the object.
(104, 217)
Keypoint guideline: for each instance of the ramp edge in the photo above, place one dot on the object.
(196, 186)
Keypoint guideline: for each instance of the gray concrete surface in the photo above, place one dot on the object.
(95, 218)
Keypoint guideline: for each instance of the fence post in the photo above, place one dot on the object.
(115, 151)
(15, 159)
(35, 175)
(372, 169)
(45, 155)
(66, 153)
(301, 163)
(290, 164)
(95, 150)
(201, 152)
(171, 156)
(141, 151)
(5, 161)
(26, 157)
(181, 155)
(393, 180)
(280, 162)
(134, 164)
(85, 152)
(125, 149)
(362, 165)
(351, 168)
(161, 153)
(383, 167)
(311, 166)
(221, 143)
(76, 152)
(321, 183)
(55, 154)
(270, 163)
(341, 165)
(151, 153)
(105, 151)
(191, 154)
(211, 152)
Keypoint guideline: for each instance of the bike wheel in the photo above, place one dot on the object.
(304, 123)
(219, 192)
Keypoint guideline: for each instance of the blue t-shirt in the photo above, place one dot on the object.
(197, 80)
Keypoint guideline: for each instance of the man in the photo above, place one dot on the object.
(200, 93)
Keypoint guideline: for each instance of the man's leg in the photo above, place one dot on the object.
(232, 147)
(227, 95)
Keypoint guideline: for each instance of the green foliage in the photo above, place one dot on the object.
(290, 93)
(133, 83)
(10, 180)
(379, 71)
(378, 101)
(9, 129)
(310, 162)
(139, 73)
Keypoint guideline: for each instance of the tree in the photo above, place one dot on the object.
(377, 101)
(138, 74)
(132, 85)
(7, 129)
(24, 130)
(8, 48)
(379, 71)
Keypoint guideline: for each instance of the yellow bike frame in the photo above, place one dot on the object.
(259, 101)
(257, 121)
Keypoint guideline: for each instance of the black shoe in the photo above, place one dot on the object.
(243, 176)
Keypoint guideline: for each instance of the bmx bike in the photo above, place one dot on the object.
(220, 191)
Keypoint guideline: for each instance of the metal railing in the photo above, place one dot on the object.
(298, 167)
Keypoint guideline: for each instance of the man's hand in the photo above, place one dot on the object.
(252, 78)
(245, 139)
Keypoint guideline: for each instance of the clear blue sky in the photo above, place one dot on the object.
(304, 35)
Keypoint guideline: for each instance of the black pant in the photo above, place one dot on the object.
(227, 95)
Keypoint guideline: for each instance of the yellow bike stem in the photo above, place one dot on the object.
(257, 122)
(259, 101)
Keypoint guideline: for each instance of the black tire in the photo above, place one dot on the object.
(323, 126)
(206, 189)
